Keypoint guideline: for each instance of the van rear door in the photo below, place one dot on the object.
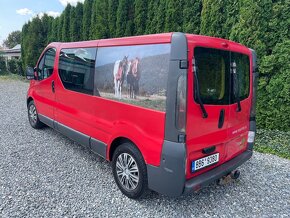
(218, 108)
(239, 109)
(208, 88)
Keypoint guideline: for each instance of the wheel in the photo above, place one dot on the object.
(129, 170)
(33, 116)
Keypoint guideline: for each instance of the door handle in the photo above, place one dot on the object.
(221, 118)
(52, 86)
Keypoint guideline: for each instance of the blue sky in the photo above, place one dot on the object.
(15, 13)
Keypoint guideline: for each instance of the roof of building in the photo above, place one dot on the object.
(18, 46)
(15, 49)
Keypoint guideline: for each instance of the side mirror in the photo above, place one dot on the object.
(30, 73)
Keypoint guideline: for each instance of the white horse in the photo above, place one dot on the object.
(117, 81)
(121, 69)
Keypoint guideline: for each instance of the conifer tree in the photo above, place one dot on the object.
(93, 29)
(112, 18)
(73, 28)
(46, 28)
(232, 16)
(78, 21)
(279, 24)
(65, 34)
(60, 26)
(253, 24)
(174, 14)
(24, 44)
(151, 20)
(130, 28)
(191, 16)
(122, 17)
(140, 15)
(54, 30)
(212, 18)
(100, 27)
(160, 17)
(86, 22)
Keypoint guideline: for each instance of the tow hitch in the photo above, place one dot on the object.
(226, 179)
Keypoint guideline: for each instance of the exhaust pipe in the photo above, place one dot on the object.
(226, 179)
(235, 174)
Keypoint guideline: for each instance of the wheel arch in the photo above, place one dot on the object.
(117, 142)
(29, 99)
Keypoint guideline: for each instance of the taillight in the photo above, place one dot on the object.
(251, 136)
(180, 108)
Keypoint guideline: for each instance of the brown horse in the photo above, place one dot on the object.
(133, 78)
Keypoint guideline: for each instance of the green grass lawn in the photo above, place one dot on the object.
(10, 76)
(273, 142)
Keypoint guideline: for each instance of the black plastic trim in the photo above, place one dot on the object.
(73, 134)
(169, 177)
(253, 129)
(208, 150)
(98, 147)
(254, 98)
(178, 55)
(46, 120)
(206, 178)
(254, 82)
(221, 118)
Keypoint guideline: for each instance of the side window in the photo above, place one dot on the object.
(46, 64)
(133, 74)
(76, 69)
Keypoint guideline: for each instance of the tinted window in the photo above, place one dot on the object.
(76, 69)
(46, 64)
(242, 64)
(222, 75)
(213, 67)
(133, 74)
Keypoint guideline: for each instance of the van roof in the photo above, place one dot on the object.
(147, 39)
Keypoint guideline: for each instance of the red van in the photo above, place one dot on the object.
(173, 112)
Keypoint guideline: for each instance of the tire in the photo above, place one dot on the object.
(33, 116)
(129, 170)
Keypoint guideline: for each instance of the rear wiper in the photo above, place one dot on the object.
(204, 113)
(236, 85)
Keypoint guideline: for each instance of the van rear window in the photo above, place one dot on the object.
(215, 76)
(133, 74)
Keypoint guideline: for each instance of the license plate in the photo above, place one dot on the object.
(204, 162)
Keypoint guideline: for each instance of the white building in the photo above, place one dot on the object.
(13, 53)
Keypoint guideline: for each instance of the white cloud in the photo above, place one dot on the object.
(71, 2)
(41, 14)
(53, 13)
(24, 11)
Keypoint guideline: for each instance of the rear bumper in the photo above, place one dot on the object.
(169, 177)
(206, 178)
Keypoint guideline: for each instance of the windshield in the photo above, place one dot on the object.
(216, 85)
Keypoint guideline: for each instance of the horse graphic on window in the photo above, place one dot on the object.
(120, 71)
(133, 77)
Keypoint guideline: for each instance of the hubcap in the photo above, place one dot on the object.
(32, 114)
(127, 171)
